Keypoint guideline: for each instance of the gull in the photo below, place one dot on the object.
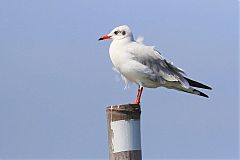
(146, 66)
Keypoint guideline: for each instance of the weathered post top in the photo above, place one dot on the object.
(124, 112)
(124, 137)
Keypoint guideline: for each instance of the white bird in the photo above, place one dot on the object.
(145, 66)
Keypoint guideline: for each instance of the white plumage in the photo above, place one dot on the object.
(144, 65)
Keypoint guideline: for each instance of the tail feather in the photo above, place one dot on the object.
(197, 92)
(197, 84)
(189, 90)
(194, 91)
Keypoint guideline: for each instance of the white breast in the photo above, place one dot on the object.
(118, 54)
(128, 67)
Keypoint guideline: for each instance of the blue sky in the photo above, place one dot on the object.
(56, 78)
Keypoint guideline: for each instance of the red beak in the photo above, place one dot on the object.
(104, 37)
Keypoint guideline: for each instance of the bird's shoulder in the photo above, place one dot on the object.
(148, 55)
(140, 50)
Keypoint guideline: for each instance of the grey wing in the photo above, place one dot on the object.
(171, 66)
(151, 58)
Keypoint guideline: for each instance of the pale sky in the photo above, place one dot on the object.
(56, 79)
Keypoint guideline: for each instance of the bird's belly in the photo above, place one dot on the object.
(139, 75)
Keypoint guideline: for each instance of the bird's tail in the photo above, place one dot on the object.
(193, 91)
(197, 92)
(190, 90)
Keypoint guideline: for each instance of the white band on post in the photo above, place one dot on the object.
(126, 135)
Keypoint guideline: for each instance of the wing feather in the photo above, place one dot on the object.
(150, 57)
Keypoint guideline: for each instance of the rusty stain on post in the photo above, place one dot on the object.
(124, 137)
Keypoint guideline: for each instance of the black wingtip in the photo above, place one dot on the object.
(203, 95)
(197, 92)
(197, 84)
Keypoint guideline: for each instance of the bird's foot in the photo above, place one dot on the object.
(137, 103)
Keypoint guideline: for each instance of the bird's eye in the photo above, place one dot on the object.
(123, 32)
(116, 32)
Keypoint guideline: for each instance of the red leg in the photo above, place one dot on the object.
(140, 89)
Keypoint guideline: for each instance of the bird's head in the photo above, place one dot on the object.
(118, 33)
